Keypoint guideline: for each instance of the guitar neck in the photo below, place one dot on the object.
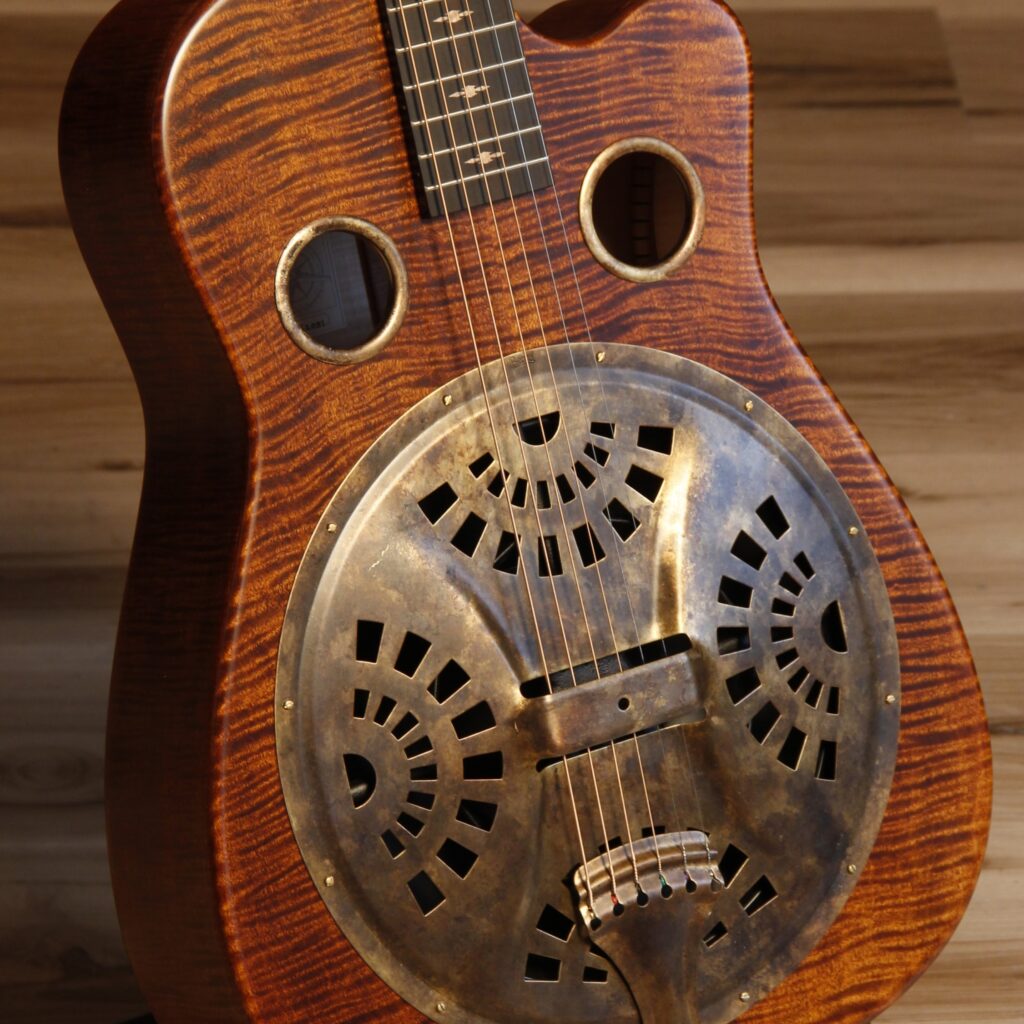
(465, 91)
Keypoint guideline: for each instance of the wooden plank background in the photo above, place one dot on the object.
(890, 198)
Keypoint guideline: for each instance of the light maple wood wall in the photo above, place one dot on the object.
(890, 197)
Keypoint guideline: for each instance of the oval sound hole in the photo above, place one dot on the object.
(643, 209)
(341, 290)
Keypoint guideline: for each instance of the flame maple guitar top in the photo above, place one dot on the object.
(236, 122)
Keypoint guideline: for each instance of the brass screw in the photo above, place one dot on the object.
(852, 869)
(744, 997)
(447, 400)
(329, 881)
(854, 531)
(442, 1007)
(748, 405)
(601, 357)
(288, 705)
(332, 527)
(890, 698)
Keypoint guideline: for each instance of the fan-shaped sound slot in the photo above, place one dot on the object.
(468, 535)
(647, 832)
(644, 482)
(506, 558)
(594, 975)
(758, 896)
(780, 607)
(477, 814)
(781, 633)
(452, 678)
(456, 857)
(796, 680)
(623, 522)
(731, 863)
(368, 638)
(613, 844)
(411, 654)
(548, 555)
(539, 430)
(543, 494)
(583, 474)
(362, 779)
(411, 825)
(746, 549)
(833, 700)
(825, 769)
(735, 593)
(803, 563)
(733, 639)
(763, 722)
(554, 923)
(497, 484)
(419, 748)
(477, 719)
(481, 767)
(833, 631)
(437, 502)
(814, 694)
(742, 685)
(786, 658)
(392, 843)
(788, 583)
(405, 725)
(519, 492)
(423, 773)
(425, 892)
(771, 515)
(384, 709)
(655, 439)
(565, 491)
(715, 935)
(542, 968)
(417, 799)
(588, 545)
(793, 749)
(480, 466)
(360, 702)
(603, 430)
(598, 455)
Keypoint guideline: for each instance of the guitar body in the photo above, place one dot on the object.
(197, 139)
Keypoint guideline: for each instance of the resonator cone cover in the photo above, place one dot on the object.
(644, 486)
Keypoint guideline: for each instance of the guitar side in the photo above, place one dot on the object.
(236, 123)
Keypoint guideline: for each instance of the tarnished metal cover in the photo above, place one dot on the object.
(662, 512)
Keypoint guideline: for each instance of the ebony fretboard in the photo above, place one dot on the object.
(469, 106)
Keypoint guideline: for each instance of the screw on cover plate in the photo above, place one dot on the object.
(890, 698)
(748, 405)
(332, 527)
(442, 1007)
(600, 357)
(854, 531)
(852, 868)
(288, 705)
(329, 881)
(744, 997)
(447, 400)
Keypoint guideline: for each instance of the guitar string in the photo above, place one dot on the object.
(474, 35)
(471, 118)
(490, 417)
(605, 407)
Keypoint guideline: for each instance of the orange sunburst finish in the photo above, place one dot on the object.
(197, 138)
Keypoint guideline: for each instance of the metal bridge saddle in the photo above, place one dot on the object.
(652, 933)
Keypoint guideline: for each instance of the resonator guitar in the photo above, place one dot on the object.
(518, 631)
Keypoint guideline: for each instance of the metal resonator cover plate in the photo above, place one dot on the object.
(628, 509)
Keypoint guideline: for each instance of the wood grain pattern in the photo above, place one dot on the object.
(68, 501)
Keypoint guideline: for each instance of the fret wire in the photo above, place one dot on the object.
(487, 174)
(452, 39)
(472, 71)
(482, 142)
(471, 110)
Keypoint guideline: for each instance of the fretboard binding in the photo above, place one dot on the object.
(487, 174)
(462, 74)
(471, 110)
(482, 142)
(452, 39)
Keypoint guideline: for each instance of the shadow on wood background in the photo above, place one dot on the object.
(890, 201)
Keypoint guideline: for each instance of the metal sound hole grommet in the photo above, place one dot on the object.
(342, 290)
(642, 209)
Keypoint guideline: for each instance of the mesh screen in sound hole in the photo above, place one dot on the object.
(341, 290)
